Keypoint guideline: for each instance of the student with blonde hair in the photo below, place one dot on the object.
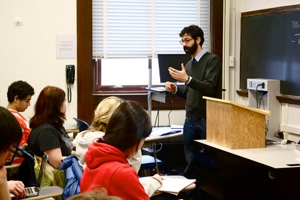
(100, 194)
(97, 129)
(102, 115)
(106, 158)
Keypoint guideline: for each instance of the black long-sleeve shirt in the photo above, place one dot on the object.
(206, 81)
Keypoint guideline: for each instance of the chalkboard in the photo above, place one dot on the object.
(270, 47)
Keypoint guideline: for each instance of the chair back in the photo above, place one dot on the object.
(82, 125)
(26, 170)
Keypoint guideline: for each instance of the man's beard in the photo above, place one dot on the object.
(190, 50)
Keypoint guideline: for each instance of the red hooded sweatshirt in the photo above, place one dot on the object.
(106, 166)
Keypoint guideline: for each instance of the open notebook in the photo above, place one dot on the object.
(172, 184)
(34, 190)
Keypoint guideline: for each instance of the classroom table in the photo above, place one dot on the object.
(259, 173)
(47, 192)
(154, 139)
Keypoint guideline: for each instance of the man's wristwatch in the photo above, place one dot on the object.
(188, 80)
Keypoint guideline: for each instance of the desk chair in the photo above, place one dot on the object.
(82, 125)
(26, 170)
(150, 162)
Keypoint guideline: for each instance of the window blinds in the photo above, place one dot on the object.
(143, 28)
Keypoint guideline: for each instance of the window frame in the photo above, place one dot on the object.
(87, 100)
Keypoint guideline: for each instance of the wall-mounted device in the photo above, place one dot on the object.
(262, 94)
(70, 74)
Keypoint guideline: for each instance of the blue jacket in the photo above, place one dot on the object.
(73, 176)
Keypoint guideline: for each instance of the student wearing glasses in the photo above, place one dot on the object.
(11, 135)
(202, 77)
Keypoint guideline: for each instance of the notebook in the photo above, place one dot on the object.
(34, 190)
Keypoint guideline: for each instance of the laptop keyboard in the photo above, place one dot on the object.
(31, 190)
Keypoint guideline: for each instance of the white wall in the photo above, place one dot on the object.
(28, 52)
(290, 121)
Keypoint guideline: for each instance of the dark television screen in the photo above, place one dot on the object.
(170, 60)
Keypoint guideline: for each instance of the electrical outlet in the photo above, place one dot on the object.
(231, 61)
(257, 84)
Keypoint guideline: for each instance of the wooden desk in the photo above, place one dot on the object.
(46, 192)
(260, 173)
(15, 163)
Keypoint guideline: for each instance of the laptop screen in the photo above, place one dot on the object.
(42, 170)
(170, 60)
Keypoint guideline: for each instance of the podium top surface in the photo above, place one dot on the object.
(261, 111)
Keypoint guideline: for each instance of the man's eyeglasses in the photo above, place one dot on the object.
(186, 41)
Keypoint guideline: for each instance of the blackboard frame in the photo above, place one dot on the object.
(288, 87)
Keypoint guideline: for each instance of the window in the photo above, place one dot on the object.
(127, 36)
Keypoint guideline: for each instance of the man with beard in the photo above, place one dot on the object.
(202, 77)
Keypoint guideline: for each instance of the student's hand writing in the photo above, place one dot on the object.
(157, 177)
(17, 188)
(179, 75)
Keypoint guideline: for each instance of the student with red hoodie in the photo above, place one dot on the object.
(106, 159)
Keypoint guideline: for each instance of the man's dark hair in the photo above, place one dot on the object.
(19, 88)
(10, 130)
(194, 31)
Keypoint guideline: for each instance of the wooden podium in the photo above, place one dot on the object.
(235, 126)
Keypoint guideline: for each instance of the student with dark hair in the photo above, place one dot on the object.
(11, 135)
(48, 134)
(19, 95)
(106, 158)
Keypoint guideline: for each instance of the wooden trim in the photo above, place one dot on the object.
(281, 98)
(272, 10)
(242, 92)
(289, 99)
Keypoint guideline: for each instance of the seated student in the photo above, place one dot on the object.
(94, 195)
(48, 134)
(19, 94)
(102, 115)
(11, 135)
(106, 158)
